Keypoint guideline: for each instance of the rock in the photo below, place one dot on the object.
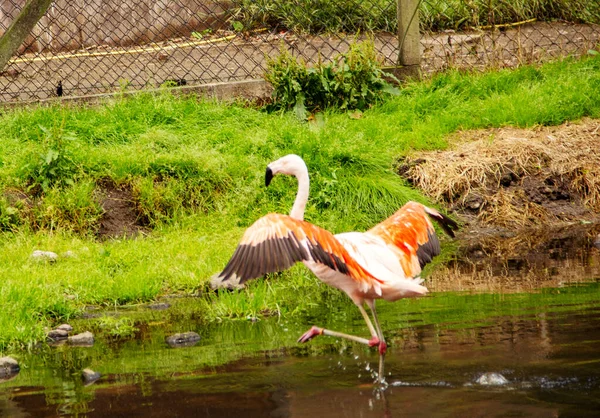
(159, 306)
(89, 376)
(40, 255)
(491, 379)
(474, 202)
(597, 241)
(8, 367)
(185, 339)
(83, 339)
(231, 284)
(65, 327)
(57, 334)
(69, 254)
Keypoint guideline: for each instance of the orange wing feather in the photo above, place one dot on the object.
(411, 232)
(275, 242)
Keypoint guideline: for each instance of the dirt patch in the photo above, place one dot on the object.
(512, 178)
(120, 218)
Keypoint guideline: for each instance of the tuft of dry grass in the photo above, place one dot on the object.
(510, 176)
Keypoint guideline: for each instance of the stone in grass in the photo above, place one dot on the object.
(491, 379)
(9, 367)
(57, 335)
(40, 255)
(84, 339)
(65, 327)
(185, 339)
(89, 376)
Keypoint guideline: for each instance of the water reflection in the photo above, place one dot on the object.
(546, 345)
(522, 261)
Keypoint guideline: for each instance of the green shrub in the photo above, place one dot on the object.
(354, 80)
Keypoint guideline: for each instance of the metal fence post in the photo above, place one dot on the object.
(16, 33)
(409, 57)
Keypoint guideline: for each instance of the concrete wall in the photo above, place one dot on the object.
(74, 24)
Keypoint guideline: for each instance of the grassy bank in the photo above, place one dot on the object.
(194, 171)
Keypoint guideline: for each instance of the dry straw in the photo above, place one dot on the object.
(491, 166)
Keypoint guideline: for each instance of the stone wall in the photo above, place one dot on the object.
(74, 24)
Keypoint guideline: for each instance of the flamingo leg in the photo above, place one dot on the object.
(382, 344)
(316, 331)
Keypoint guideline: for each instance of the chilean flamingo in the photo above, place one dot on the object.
(381, 263)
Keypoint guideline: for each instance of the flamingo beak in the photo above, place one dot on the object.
(268, 177)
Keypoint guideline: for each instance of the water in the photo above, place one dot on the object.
(545, 343)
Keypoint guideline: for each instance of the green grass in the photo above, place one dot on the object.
(351, 16)
(196, 172)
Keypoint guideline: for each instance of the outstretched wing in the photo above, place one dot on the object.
(410, 234)
(276, 242)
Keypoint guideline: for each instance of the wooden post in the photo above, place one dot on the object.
(18, 30)
(409, 38)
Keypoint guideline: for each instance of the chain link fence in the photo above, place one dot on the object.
(87, 47)
(481, 34)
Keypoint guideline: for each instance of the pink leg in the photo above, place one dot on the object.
(316, 331)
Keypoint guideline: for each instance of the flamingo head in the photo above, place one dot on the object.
(291, 164)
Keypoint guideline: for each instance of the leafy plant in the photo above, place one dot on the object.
(55, 166)
(9, 215)
(353, 80)
(200, 35)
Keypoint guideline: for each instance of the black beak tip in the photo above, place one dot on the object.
(268, 177)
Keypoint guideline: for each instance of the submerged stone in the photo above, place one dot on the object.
(159, 306)
(89, 376)
(83, 339)
(491, 379)
(185, 339)
(9, 367)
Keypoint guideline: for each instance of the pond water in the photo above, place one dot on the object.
(545, 343)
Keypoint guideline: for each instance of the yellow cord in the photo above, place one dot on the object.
(154, 47)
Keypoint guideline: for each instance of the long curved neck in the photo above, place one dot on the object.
(297, 211)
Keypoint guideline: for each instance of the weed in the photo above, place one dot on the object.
(74, 209)
(354, 80)
(55, 166)
(120, 327)
(10, 218)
